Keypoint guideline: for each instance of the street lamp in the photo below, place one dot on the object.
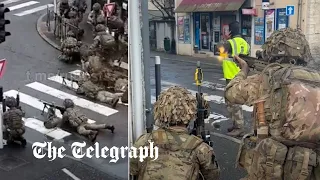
(3, 23)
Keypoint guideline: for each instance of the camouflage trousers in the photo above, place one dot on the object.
(88, 129)
(12, 134)
(53, 122)
(235, 113)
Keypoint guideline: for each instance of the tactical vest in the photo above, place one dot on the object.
(177, 159)
(290, 98)
(239, 46)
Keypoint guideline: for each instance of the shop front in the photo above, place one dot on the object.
(209, 24)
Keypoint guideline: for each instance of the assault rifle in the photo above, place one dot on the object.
(199, 126)
(70, 79)
(52, 105)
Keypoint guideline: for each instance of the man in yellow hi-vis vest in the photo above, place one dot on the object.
(234, 46)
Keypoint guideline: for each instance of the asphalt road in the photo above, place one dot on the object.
(31, 64)
(179, 70)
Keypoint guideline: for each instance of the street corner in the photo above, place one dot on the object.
(45, 26)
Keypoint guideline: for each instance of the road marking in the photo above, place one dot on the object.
(123, 65)
(70, 174)
(30, 3)
(68, 83)
(9, 2)
(216, 118)
(34, 102)
(30, 11)
(222, 79)
(106, 111)
(38, 125)
(76, 72)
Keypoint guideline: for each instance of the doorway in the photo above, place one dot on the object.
(225, 21)
(205, 31)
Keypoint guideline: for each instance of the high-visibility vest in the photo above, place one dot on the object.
(229, 67)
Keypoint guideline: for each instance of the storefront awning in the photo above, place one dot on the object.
(208, 5)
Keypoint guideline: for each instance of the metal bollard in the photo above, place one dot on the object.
(1, 119)
(157, 76)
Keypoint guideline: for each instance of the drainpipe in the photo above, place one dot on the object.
(299, 14)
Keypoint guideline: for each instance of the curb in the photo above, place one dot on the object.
(44, 37)
(193, 62)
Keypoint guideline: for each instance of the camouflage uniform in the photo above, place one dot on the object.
(96, 16)
(103, 39)
(64, 8)
(181, 156)
(52, 120)
(288, 148)
(77, 120)
(94, 91)
(81, 7)
(12, 120)
(236, 114)
(70, 48)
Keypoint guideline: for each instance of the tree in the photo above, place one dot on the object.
(166, 7)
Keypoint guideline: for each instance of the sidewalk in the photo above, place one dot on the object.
(55, 42)
(18, 163)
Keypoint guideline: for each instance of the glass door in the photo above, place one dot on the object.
(205, 31)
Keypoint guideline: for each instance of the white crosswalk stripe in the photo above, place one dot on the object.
(35, 103)
(22, 7)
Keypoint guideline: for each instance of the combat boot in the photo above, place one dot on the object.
(111, 128)
(23, 141)
(93, 136)
(114, 102)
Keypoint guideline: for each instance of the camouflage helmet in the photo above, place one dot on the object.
(11, 102)
(68, 103)
(71, 34)
(64, 1)
(175, 106)
(100, 28)
(96, 7)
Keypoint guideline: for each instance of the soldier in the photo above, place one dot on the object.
(13, 124)
(96, 16)
(52, 119)
(76, 120)
(103, 39)
(64, 8)
(70, 48)
(73, 24)
(80, 6)
(286, 120)
(94, 91)
(181, 156)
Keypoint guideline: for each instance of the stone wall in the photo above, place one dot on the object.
(312, 30)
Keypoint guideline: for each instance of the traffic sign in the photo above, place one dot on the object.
(2, 66)
(109, 9)
(290, 10)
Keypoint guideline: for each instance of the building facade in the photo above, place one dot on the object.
(202, 25)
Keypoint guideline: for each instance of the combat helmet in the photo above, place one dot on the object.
(64, 1)
(96, 7)
(11, 102)
(71, 34)
(68, 103)
(100, 28)
(175, 106)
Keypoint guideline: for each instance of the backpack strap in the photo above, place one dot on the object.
(269, 162)
(304, 169)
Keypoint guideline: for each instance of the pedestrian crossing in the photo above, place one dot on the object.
(35, 103)
(213, 97)
(22, 8)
